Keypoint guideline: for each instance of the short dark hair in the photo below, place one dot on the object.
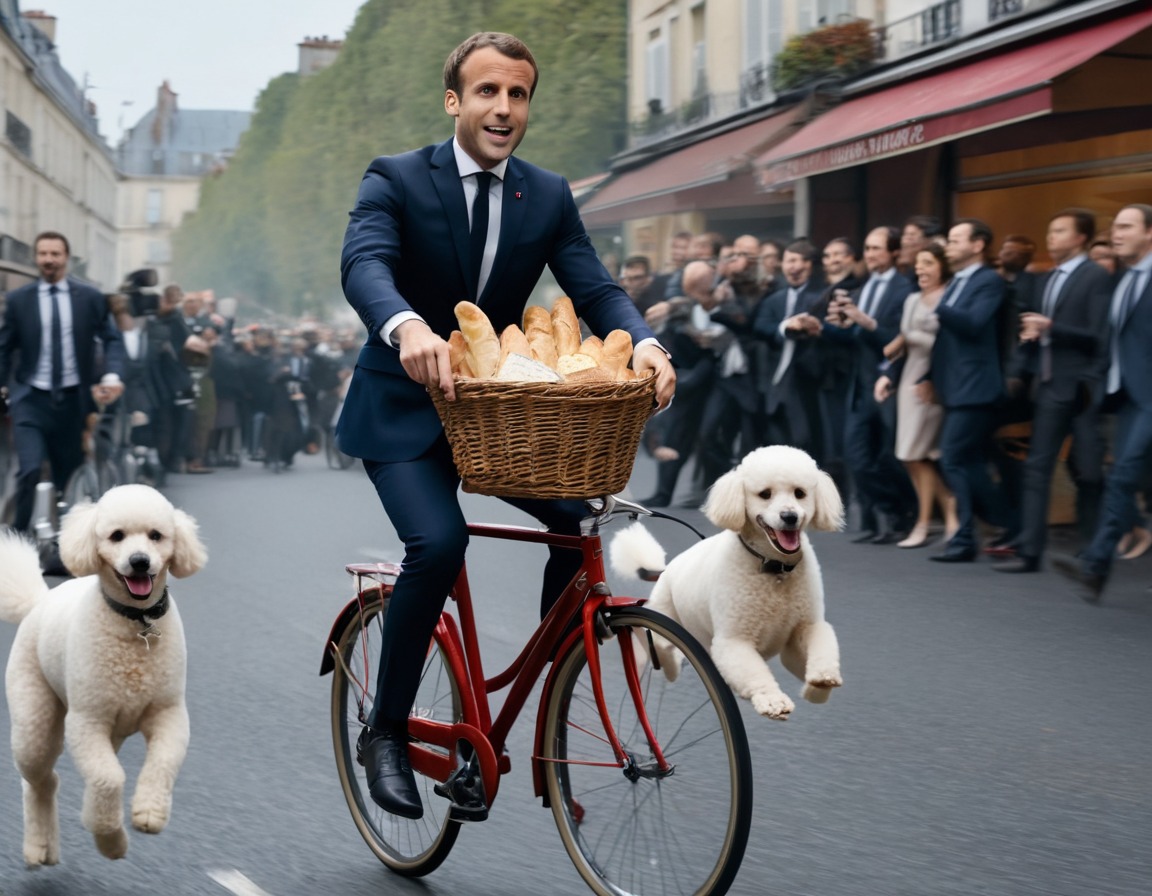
(846, 243)
(803, 248)
(1083, 220)
(937, 251)
(891, 236)
(980, 231)
(638, 261)
(1145, 210)
(926, 224)
(52, 235)
(1019, 239)
(506, 44)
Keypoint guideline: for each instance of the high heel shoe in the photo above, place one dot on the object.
(917, 538)
(1138, 543)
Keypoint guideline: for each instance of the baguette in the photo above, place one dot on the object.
(565, 327)
(458, 354)
(513, 342)
(483, 354)
(616, 354)
(538, 330)
(593, 347)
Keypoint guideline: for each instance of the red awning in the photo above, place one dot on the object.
(995, 91)
(653, 188)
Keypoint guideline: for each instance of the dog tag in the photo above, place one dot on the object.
(150, 632)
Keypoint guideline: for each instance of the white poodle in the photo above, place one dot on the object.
(97, 659)
(753, 591)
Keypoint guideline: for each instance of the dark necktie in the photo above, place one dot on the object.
(951, 292)
(57, 343)
(867, 298)
(1048, 308)
(479, 235)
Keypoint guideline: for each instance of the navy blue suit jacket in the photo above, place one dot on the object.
(869, 345)
(92, 325)
(406, 248)
(966, 355)
(1135, 336)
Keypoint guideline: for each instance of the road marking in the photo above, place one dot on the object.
(237, 883)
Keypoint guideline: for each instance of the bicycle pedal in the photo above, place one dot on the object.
(465, 790)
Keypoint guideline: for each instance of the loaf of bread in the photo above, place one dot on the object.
(548, 349)
(483, 353)
(565, 327)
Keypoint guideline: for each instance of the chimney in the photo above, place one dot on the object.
(317, 53)
(44, 22)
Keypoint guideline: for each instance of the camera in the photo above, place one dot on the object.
(142, 302)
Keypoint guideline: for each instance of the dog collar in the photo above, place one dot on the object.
(767, 565)
(149, 615)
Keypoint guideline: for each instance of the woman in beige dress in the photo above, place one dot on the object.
(918, 419)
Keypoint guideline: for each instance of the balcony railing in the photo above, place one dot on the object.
(660, 124)
(936, 24)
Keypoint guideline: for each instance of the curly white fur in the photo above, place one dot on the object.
(81, 673)
(717, 591)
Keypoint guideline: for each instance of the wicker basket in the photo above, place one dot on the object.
(545, 440)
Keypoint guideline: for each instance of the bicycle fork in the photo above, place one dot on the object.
(593, 621)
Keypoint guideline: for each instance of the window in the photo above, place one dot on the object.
(18, 134)
(154, 211)
(656, 76)
(763, 39)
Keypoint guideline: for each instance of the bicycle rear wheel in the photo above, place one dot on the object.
(409, 847)
(642, 832)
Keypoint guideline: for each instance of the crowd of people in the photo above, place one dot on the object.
(168, 376)
(937, 375)
(205, 393)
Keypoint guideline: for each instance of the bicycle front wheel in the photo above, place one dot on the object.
(409, 847)
(642, 831)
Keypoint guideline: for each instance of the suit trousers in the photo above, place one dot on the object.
(420, 498)
(964, 445)
(1118, 512)
(1052, 421)
(50, 430)
(880, 481)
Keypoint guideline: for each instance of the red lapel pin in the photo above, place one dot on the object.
(518, 195)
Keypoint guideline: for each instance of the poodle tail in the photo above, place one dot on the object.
(635, 554)
(21, 584)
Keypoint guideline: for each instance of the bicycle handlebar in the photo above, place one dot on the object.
(601, 510)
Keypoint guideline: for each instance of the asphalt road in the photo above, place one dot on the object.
(994, 734)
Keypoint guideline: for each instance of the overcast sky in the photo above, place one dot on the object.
(216, 54)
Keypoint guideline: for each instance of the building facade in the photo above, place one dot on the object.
(1003, 109)
(56, 172)
(162, 161)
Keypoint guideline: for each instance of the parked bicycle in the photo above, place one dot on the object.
(626, 759)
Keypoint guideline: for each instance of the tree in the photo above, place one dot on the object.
(269, 228)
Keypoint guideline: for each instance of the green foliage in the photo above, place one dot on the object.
(270, 227)
(840, 51)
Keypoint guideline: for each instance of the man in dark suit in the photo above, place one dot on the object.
(865, 321)
(644, 288)
(1064, 352)
(48, 346)
(423, 236)
(785, 322)
(967, 380)
(1128, 384)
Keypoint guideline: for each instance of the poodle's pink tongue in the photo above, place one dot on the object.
(140, 586)
(788, 539)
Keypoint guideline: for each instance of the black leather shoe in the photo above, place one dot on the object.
(889, 537)
(955, 556)
(390, 778)
(656, 500)
(1089, 587)
(1018, 564)
(866, 536)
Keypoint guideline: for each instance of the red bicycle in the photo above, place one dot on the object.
(628, 761)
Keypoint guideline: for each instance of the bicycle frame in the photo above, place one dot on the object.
(434, 751)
